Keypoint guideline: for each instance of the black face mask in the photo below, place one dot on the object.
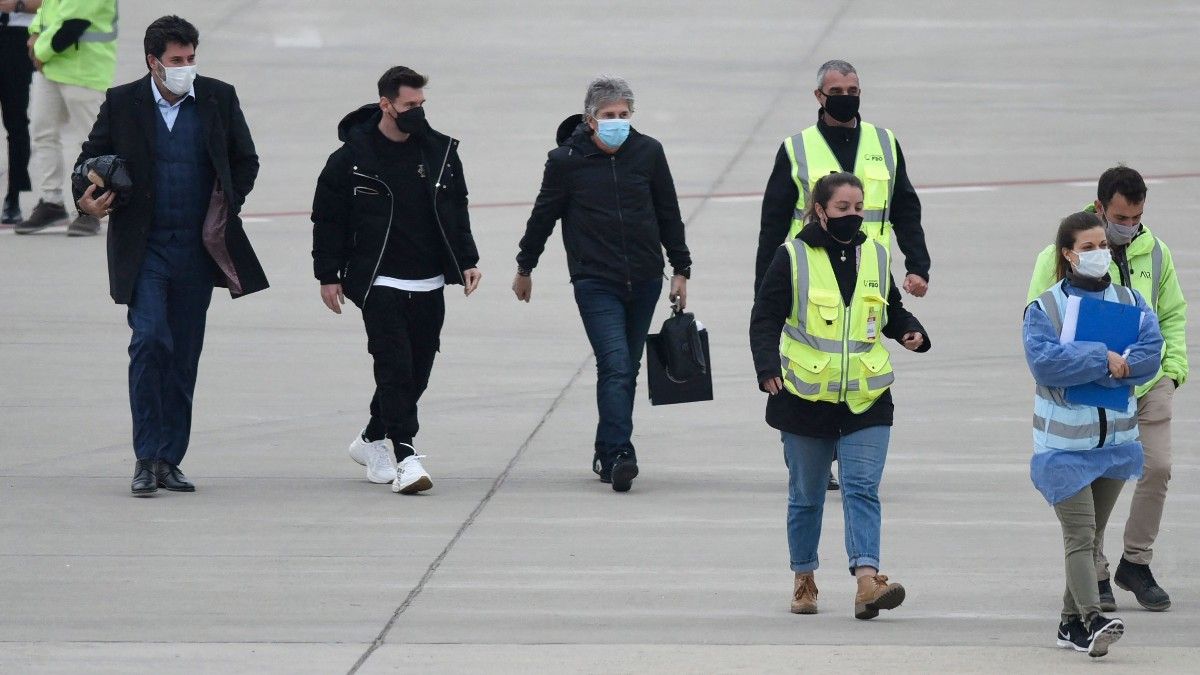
(411, 121)
(843, 228)
(841, 107)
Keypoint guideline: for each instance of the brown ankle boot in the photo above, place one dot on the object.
(804, 595)
(874, 594)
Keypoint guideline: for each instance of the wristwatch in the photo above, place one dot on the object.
(686, 272)
(522, 272)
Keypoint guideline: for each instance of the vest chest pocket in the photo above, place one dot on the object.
(876, 178)
(869, 323)
(825, 307)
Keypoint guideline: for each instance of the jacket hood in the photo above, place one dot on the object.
(568, 128)
(367, 116)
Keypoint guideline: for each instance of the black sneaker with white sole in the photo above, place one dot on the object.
(1102, 633)
(624, 470)
(1072, 634)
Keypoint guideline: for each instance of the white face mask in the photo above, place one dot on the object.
(178, 80)
(1093, 264)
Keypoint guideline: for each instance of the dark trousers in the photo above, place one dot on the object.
(616, 318)
(404, 332)
(167, 316)
(16, 72)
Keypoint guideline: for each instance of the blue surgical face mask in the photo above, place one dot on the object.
(612, 132)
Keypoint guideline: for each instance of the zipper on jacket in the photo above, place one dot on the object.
(621, 219)
(1123, 266)
(438, 219)
(386, 235)
(845, 353)
(1103, 427)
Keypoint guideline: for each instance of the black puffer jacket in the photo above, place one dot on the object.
(619, 211)
(353, 207)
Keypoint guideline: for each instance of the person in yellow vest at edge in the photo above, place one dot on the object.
(825, 303)
(1082, 455)
(841, 141)
(1140, 261)
(73, 45)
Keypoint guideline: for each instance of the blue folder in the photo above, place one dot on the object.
(1118, 327)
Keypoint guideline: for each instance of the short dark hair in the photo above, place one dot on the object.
(400, 76)
(1124, 180)
(823, 191)
(1068, 229)
(166, 30)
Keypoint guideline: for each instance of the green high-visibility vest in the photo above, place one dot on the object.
(828, 351)
(874, 164)
(90, 62)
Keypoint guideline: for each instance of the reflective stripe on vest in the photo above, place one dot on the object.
(103, 36)
(807, 169)
(1062, 425)
(1156, 266)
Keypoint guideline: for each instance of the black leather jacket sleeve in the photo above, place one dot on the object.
(331, 218)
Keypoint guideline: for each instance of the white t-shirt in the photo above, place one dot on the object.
(19, 19)
(413, 285)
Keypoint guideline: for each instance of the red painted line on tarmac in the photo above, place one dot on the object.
(735, 195)
(1031, 182)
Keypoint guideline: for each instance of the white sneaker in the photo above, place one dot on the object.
(411, 477)
(376, 456)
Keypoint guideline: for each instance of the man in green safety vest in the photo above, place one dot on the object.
(841, 141)
(1140, 261)
(73, 45)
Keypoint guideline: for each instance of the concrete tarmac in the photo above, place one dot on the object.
(287, 560)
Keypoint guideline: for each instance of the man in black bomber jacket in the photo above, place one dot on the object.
(390, 231)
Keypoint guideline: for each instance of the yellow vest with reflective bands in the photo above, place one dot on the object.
(830, 352)
(874, 164)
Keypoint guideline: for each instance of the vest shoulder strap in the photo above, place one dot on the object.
(1049, 304)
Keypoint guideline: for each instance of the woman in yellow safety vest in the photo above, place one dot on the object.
(825, 303)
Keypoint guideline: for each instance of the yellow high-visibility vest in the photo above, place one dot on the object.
(828, 351)
(874, 164)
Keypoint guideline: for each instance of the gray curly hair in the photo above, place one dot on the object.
(605, 90)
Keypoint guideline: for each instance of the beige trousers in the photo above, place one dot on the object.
(1146, 509)
(61, 116)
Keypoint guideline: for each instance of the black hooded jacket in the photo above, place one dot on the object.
(773, 304)
(354, 207)
(619, 211)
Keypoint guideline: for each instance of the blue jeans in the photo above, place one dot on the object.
(167, 316)
(860, 468)
(616, 319)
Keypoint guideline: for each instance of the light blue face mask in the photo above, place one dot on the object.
(612, 132)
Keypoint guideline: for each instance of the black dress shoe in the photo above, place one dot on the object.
(171, 478)
(144, 483)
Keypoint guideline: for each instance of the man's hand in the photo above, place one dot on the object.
(679, 292)
(915, 286)
(29, 46)
(471, 279)
(331, 295)
(1117, 366)
(913, 341)
(522, 287)
(96, 207)
(772, 385)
